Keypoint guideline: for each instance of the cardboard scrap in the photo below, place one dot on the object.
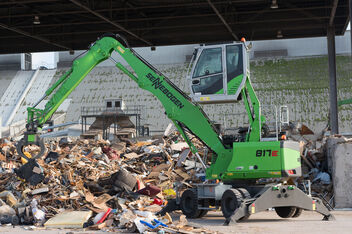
(98, 202)
(2, 157)
(40, 190)
(183, 174)
(132, 155)
(161, 167)
(179, 146)
(70, 219)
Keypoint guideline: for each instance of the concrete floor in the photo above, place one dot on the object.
(265, 222)
(269, 222)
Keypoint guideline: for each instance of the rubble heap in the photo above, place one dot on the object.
(98, 184)
(123, 184)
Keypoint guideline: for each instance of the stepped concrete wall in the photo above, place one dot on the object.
(5, 80)
(37, 90)
(301, 84)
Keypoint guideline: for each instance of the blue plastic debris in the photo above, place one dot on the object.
(150, 225)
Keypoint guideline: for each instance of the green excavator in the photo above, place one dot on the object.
(220, 73)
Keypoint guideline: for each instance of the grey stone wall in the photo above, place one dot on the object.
(340, 167)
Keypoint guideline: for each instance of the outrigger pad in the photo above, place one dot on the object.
(329, 217)
(32, 172)
(230, 221)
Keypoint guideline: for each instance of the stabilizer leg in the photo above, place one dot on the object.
(280, 196)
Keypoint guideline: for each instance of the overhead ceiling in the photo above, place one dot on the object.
(74, 24)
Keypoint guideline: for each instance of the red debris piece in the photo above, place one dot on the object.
(150, 191)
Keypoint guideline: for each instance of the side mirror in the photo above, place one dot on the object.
(249, 47)
(195, 82)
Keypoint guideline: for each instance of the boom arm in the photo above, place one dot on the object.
(178, 106)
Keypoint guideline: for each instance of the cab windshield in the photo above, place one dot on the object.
(209, 63)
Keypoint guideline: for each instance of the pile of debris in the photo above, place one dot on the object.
(326, 159)
(120, 185)
(98, 184)
(316, 176)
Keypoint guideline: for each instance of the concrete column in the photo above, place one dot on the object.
(26, 61)
(333, 86)
(351, 24)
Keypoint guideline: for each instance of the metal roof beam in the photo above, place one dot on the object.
(156, 7)
(223, 21)
(217, 24)
(175, 17)
(40, 38)
(110, 22)
(134, 8)
(333, 12)
(303, 11)
(25, 2)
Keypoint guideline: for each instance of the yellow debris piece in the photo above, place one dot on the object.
(169, 192)
(23, 160)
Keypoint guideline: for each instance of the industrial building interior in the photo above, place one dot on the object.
(103, 98)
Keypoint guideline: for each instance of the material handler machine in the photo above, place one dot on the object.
(219, 73)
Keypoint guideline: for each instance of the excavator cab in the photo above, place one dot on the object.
(218, 73)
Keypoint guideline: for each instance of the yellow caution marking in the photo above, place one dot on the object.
(121, 50)
(274, 172)
(205, 98)
(253, 208)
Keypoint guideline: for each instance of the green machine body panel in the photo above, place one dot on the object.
(266, 159)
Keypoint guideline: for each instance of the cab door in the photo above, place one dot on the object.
(207, 76)
(234, 69)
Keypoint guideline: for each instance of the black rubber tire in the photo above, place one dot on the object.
(205, 203)
(244, 192)
(245, 195)
(230, 201)
(21, 144)
(297, 213)
(189, 204)
(285, 211)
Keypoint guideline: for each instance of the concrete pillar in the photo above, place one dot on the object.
(340, 165)
(332, 77)
(351, 24)
(26, 61)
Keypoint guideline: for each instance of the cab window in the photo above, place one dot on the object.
(234, 61)
(209, 63)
